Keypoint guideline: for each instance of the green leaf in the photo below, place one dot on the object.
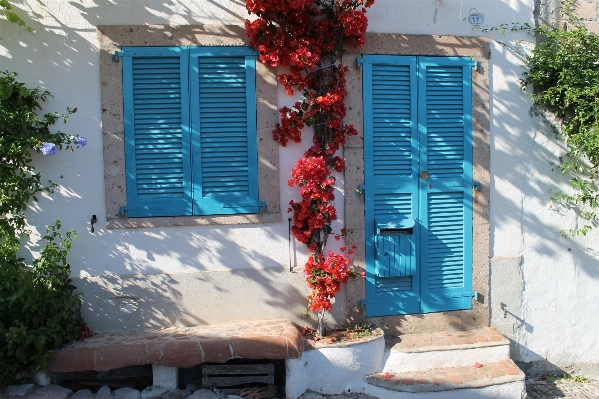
(5, 92)
(24, 92)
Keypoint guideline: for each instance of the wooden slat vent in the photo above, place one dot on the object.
(231, 375)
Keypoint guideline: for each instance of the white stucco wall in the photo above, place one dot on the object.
(553, 287)
(551, 305)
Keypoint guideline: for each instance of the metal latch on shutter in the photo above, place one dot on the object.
(392, 225)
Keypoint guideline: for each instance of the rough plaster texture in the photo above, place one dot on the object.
(507, 288)
(400, 362)
(135, 302)
(512, 390)
(479, 50)
(558, 278)
(113, 38)
(334, 370)
(550, 12)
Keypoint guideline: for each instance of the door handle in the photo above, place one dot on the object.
(424, 175)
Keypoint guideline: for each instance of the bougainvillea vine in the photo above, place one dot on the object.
(308, 37)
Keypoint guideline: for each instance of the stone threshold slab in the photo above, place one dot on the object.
(181, 347)
(450, 378)
(445, 340)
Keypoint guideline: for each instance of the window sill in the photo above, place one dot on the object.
(136, 223)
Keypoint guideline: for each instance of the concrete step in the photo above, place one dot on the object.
(501, 379)
(441, 349)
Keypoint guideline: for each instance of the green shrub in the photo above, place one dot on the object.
(564, 72)
(39, 307)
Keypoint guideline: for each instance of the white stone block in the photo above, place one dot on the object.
(41, 378)
(165, 376)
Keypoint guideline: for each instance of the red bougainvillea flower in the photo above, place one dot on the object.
(307, 37)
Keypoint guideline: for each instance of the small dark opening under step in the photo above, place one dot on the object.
(137, 377)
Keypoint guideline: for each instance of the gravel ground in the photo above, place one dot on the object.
(537, 388)
(562, 388)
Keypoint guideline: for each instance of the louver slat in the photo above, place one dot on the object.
(391, 156)
(225, 173)
(445, 241)
(392, 122)
(394, 253)
(444, 121)
(156, 133)
(446, 206)
(223, 126)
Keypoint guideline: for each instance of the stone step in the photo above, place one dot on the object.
(503, 378)
(416, 352)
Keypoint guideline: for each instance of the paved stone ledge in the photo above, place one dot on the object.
(181, 347)
(310, 343)
(446, 340)
(450, 378)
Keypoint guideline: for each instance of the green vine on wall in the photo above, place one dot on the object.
(563, 70)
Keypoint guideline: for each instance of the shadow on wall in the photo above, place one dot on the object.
(524, 158)
(131, 297)
(109, 12)
(132, 302)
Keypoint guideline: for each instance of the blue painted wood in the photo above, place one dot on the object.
(417, 117)
(391, 161)
(190, 130)
(223, 120)
(157, 157)
(445, 104)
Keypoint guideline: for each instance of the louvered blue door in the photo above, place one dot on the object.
(444, 115)
(157, 140)
(417, 155)
(391, 167)
(223, 111)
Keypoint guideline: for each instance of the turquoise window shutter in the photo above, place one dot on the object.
(391, 197)
(445, 120)
(223, 120)
(157, 137)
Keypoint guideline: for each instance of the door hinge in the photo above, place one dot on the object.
(359, 62)
(361, 189)
(116, 55)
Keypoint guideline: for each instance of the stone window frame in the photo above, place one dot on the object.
(112, 38)
(479, 50)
